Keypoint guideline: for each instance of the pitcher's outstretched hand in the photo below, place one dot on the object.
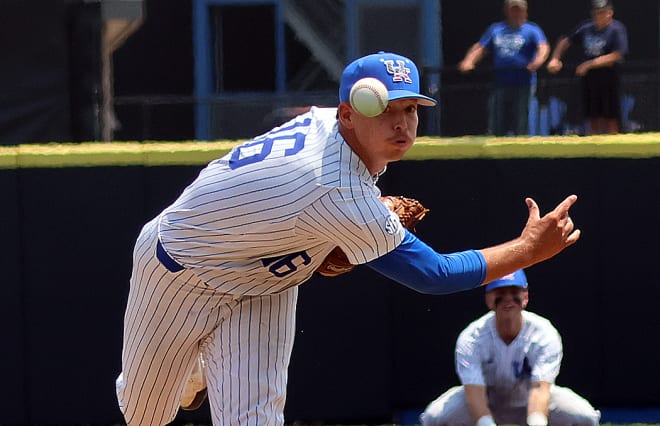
(542, 238)
(546, 236)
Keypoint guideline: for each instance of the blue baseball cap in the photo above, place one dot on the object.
(398, 73)
(516, 279)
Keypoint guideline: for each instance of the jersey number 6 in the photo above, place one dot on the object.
(258, 149)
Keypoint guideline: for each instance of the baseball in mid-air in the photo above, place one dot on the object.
(368, 96)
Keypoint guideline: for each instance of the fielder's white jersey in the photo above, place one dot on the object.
(483, 358)
(263, 217)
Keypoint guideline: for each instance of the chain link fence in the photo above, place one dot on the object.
(556, 110)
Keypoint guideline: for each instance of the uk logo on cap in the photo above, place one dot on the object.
(398, 73)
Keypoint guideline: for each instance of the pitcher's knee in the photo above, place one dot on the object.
(149, 411)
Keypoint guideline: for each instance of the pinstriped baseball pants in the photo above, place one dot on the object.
(171, 317)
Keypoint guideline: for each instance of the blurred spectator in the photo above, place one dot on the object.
(519, 48)
(604, 42)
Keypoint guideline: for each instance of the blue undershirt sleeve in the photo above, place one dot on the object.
(416, 265)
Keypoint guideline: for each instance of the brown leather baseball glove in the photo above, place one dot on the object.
(410, 212)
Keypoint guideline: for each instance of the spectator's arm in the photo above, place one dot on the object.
(598, 62)
(542, 52)
(605, 60)
(472, 57)
(555, 63)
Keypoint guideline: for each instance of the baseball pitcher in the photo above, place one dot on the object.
(215, 275)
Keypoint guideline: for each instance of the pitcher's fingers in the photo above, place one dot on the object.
(569, 225)
(572, 238)
(563, 207)
(533, 208)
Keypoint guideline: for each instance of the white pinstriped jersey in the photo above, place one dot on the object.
(263, 217)
(482, 358)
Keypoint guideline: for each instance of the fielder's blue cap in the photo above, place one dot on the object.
(516, 279)
(398, 73)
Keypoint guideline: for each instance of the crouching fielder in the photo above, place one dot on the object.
(507, 361)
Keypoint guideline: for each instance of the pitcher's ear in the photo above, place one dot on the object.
(345, 115)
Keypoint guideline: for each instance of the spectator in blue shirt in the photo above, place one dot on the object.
(604, 43)
(519, 48)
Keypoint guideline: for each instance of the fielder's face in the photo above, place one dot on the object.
(505, 300)
(384, 138)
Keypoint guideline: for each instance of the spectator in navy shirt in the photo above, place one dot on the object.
(604, 43)
(519, 48)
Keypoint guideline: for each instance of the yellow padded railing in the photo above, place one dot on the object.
(165, 153)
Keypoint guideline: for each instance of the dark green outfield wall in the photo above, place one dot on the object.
(366, 348)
